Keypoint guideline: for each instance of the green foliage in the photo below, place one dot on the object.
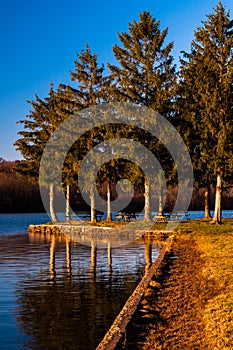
(38, 127)
(89, 78)
(205, 96)
(145, 74)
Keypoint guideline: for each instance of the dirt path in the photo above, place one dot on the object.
(169, 316)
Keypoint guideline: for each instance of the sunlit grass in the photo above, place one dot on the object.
(105, 223)
(216, 244)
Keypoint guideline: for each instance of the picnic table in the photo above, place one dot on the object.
(161, 217)
(87, 216)
(126, 216)
(178, 215)
(165, 216)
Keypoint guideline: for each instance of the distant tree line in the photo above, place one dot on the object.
(18, 195)
(197, 99)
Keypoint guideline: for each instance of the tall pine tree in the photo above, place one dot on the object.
(206, 90)
(49, 113)
(145, 74)
(88, 89)
(38, 126)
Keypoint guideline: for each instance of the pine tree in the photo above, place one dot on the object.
(38, 126)
(49, 113)
(88, 89)
(145, 73)
(89, 92)
(206, 89)
(89, 83)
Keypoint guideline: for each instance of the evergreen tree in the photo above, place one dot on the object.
(38, 127)
(206, 90)
(145, 73)
(89, 92)
(89, 83)
(49, 113)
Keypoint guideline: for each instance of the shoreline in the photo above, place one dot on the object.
(189, 302)
(189, 305)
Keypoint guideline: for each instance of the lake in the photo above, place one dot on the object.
(57, 294)
(16, 223)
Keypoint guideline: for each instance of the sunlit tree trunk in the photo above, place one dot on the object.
(93, 211)
(67, 202)
(109, 214)
(147, 200)
(51, 203)
(207, 202)
(217, 219)
(160, 198)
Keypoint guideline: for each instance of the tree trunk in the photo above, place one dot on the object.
(67, 202)
(93, 211)
(147, 200)
(217, 219)
(207, 202)
(160, 199)
(109, 214)
(51, 203)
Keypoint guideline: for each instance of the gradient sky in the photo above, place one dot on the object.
(39, 41)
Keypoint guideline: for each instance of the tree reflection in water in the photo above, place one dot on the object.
(64, 308)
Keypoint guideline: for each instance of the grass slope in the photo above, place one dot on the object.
(216, 245)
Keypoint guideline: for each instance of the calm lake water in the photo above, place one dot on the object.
(17, 223)
(56, 294)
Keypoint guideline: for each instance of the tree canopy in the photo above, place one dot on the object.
(198, 101)
(205, 101)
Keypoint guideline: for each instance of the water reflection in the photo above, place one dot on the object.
(68, 257)
(52, 259)
(148, 254)
(67, 294)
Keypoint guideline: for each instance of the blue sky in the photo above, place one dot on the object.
(39, 41)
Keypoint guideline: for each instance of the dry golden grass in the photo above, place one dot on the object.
(191, 304)
(216, 245)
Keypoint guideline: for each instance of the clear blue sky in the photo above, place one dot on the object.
(39, 41)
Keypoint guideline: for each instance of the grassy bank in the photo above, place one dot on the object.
(190, 304)
(216, 246)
